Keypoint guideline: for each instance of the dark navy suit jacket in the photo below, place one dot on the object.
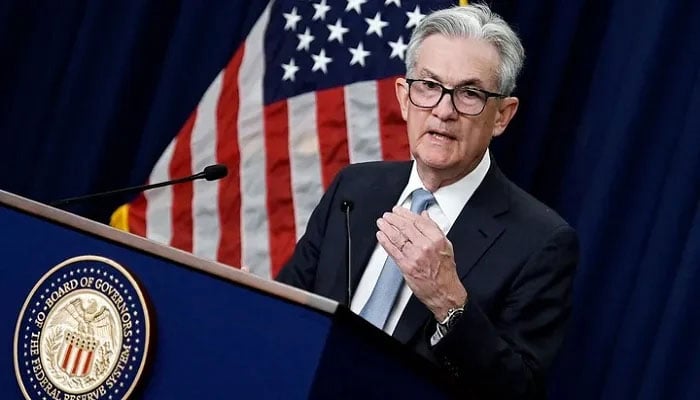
(514, 255)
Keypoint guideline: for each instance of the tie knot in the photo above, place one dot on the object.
(421, 199)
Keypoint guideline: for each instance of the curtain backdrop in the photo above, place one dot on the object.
(608, 134)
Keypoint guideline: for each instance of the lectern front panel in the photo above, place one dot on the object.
(210, 336)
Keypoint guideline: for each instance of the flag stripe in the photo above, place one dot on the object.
(76, 361)
(392, 127)
(136, 216)
(305, 163)
(229, 251)
(181, 166)
(280, 207)
(362, 121)
(86, 367)
(205, 218)
(158, 202)
(255, 237)
(332, 132)
(66, 358)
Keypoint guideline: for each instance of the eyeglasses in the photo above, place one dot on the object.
(466, 100)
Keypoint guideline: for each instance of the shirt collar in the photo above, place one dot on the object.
(451, 198)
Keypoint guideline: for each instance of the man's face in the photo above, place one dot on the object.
(442, 140)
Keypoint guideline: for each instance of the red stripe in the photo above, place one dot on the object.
(67, 356)
(77, 361)
(137, 215)
(332, 132)
(392, 128)
(87, 364)
(280, 205)
(228, 152)
(181, 166)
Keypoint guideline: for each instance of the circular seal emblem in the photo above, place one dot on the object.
(83, 333)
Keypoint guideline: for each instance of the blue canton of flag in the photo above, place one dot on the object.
(318, 45)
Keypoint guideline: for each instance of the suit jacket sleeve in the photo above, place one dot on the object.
(300, 270)
(507, 357)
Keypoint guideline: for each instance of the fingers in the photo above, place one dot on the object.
(392, 234)
(405, 235)
(391, 249)
(416, 228)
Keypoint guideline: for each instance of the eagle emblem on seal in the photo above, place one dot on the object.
(82, 338)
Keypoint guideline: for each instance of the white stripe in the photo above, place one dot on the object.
(82, 362)
(72, 359)
(206, 232)
(304, 158)
(255, 242)
(64, 352)
(362, 114)
(160, 201)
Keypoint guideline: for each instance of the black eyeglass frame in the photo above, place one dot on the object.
(452, 96)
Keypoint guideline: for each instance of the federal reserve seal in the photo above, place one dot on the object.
(83, 333)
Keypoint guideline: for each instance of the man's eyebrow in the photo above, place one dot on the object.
(475, 82)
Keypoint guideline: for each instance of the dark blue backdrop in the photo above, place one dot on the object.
(608, 134)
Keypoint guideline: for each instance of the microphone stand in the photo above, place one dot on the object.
(346, 207)
(210, 173)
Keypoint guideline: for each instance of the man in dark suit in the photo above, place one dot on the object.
(477, 277)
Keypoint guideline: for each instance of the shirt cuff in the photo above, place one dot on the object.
(437, 336)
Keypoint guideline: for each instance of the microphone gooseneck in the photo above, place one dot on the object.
(346, 206)
(210, 173)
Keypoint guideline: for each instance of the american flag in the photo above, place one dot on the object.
(310, 90)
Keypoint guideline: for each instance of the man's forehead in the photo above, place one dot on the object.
(457, 60)
(465, 78)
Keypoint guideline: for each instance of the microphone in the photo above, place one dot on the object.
(346, 207)
(210, 173)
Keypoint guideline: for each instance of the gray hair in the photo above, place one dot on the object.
(475, 21)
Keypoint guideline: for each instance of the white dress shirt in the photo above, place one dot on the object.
(449, 201)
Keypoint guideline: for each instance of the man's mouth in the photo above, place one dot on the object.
(441, 135)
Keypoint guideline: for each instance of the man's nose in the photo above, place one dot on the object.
(444, 108)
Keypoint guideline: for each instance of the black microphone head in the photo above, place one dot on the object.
(346, 205)
(214, 172)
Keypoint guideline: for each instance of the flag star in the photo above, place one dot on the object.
(305, 40)
(355, 5)
(290, 70)
(398, 48)
(291, 20)
(375, 25)
(321, 10)
(397, 2)
(337, 31)
(358, 54)
(414, 17)
(321, 61)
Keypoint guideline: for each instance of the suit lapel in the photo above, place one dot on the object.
(474, 231)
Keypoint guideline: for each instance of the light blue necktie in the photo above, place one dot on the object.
(382, 299)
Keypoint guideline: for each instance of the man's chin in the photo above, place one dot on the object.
(436, 164)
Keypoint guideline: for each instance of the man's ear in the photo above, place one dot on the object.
(401, 87)
(507, 108)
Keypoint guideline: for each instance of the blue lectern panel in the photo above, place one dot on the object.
(208, 333)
